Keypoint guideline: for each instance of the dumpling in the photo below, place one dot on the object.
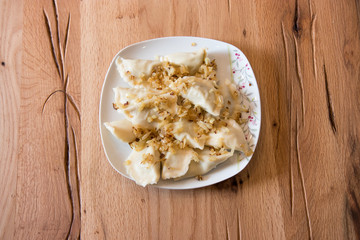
(191, 60)
(133, 70)
(121, 129)
(144, 166)
(140, 104)
(184, 130)
(208, 160)
(230, 137)
(232, 101)
(177, 164)
(200, 92)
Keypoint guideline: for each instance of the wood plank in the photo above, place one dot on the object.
(209, 212)
(10, 68)
(45, 208)
(339, 74)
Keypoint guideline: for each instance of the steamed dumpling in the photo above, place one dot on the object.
(207, 161)
(191, 60)
(140, 104)
(232, 99)
(230, 137)
(121, 129)
(133, 70)
(200, 92)
(184, 130)
(144, 166)
(177, 164)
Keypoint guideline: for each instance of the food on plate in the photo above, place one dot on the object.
(144, 166)
(180, 120)
(209, 158)
(122, 129)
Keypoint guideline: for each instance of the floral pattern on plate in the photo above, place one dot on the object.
(243, 76)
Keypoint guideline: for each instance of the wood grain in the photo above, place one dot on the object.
(46, 203)
(10, 71)
(302, 182)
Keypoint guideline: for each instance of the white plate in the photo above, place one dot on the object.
(231, 62)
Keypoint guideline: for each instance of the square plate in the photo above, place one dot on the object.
(232, 64)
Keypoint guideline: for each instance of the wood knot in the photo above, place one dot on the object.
(234, 185)
(230, 184)
(296, 25)
(297, 29)
(3, 64)
(244, 32)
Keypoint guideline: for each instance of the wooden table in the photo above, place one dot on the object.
(303, 181)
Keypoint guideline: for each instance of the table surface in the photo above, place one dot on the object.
(303, 181)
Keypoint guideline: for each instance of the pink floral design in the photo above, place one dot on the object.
(244, 78)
